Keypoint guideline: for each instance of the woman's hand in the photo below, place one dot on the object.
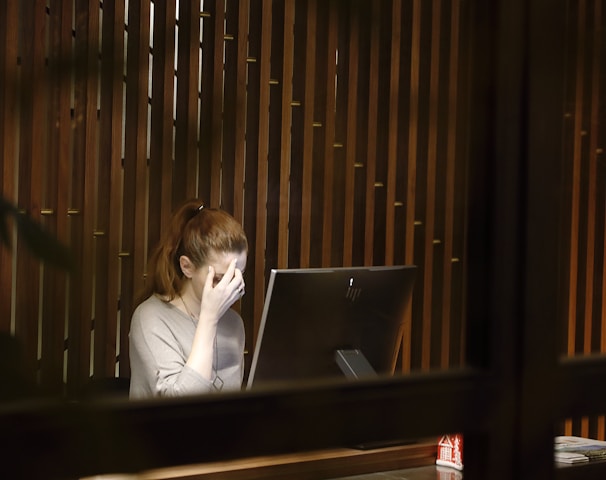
(217, 299)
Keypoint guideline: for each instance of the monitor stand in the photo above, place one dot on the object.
(353, 364)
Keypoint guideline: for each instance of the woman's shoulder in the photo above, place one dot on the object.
(152, 308)
(152, 302)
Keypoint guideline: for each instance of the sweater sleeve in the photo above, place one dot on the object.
(158, 358)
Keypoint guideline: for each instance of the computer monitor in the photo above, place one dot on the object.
(322, 323)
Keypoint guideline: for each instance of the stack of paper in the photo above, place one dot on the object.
(578, 449)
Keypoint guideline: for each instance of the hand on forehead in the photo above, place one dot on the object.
(222, 262)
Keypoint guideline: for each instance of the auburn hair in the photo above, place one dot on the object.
(197, 232)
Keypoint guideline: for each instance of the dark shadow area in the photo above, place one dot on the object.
(18, 382)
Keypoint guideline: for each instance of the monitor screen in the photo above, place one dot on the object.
(321, 323)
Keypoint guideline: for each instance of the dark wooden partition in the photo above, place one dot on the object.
(489, 178)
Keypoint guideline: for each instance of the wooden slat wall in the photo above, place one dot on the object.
(583, 232)
(333, 130)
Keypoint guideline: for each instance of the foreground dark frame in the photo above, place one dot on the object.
(46, 439)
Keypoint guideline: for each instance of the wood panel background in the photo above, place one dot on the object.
(583, 236)
(333, 130)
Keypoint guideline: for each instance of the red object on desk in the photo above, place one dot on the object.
(450, 451)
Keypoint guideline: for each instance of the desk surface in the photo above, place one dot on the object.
(326, 464)
(430, 472)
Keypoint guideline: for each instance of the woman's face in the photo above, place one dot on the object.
(220, 262)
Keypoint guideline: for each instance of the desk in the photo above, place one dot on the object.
(325, 464)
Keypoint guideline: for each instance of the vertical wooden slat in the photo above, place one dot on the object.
(308, 25)
(568, 213)
(104, 348)
(206, 112)
(162, 119)
(339, 155)
(297, 148)
(110, 180)
(274, 153)
(460, 238)
(430, 192)
(412, 151)
(57, 192)
(381, 155)
(251, 167)
(308, 133)
(392, 149)
(230, 110)
(90, 200)
(143, 100)
(402, 123)
(360, 159)
(263, 149)
(83, 192)
(234, 128)
(240, 129)
(591, 207)
(576, 181)
(135, 156)
(218, 17)
(449, 194)
(351, 134)
(31, 165)
(413, 132)
(285, 134)
(186, 137)
(329, 132)
(114, 230)
(371, 155)
(299, 128)
(77, 353)
(318, 134)
(90, 18)
(8, 142)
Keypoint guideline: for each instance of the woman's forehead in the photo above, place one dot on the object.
(220, 261)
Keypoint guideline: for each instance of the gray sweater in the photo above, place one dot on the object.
(160, 341)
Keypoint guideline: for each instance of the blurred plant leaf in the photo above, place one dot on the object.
(37, 239)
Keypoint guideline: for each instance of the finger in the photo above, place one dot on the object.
(239, 281)
(209, 278)
(229, 274)
(238, 278)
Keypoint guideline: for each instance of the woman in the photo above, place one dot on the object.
(184, 337)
